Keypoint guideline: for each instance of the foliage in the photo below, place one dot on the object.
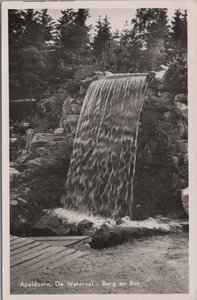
(179, 32)
(50, 107)
(45, 55)
(103, 37)
(29, 34)
(176, 76)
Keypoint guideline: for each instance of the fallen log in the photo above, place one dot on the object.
(110, 235)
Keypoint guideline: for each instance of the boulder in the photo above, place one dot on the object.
(165, 98)
(84, 226)
(43, 138)
(125, 220)
(160, 75)
(58, 131)
(43, 165)
(13, 141)
(14, 175)
(86, 82)
(182, 129)
(24, 157)
(163, 68)
(182, 110)
(107, 73)
(182, 146)
(52, 225)
(98, 73)
(182, 98)
(70, 115)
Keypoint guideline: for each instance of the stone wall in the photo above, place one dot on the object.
(162, 159)
(38, 182)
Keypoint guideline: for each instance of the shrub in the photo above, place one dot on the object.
(176, 76)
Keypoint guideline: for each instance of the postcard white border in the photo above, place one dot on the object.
(191, 6)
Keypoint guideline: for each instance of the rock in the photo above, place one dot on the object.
(163, 67)
(175, 180)
(150, 92)
(169, 115)
(51, 130)
(84, 226)
(182, 110)
(182, 129)
(59, 131)
(166, 95)
(151, 77)
(185, 200)
(15, 135)
(14, 175)
(76, 109)
(160, 76)
(51, 146)
(182, 146)
(60, 150)
(124, 220)
(43, 165)
(182, 184)
(175, 160)
(70, 115)
(107, 73)
(86, 82)
(182, 98)
(23, 158)
(42, 138)
(12, 164)
(98, 73)
(185, 226)
(82, 91)
(52, 225)
(13, 142)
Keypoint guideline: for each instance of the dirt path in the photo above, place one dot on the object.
(157, 264)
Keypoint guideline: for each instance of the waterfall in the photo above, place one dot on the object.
(102, 167)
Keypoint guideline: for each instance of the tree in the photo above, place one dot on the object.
(16, 28)
(176, 76)
(32, 72)
(179, 32)
(72, 47)
(102, 38)
(151, 27)
(72, 30)
(29, 34)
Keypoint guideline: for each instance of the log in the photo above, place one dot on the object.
(110, 235)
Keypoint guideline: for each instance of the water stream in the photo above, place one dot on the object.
(102, 168)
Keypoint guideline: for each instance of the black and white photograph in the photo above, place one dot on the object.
(97, 146)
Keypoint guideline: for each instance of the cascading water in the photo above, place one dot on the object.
(101, 173)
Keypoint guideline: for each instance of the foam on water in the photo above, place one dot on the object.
(102, 168)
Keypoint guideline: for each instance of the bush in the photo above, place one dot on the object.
(50, 108)
(176, 76)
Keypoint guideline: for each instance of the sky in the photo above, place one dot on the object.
(117, 17)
